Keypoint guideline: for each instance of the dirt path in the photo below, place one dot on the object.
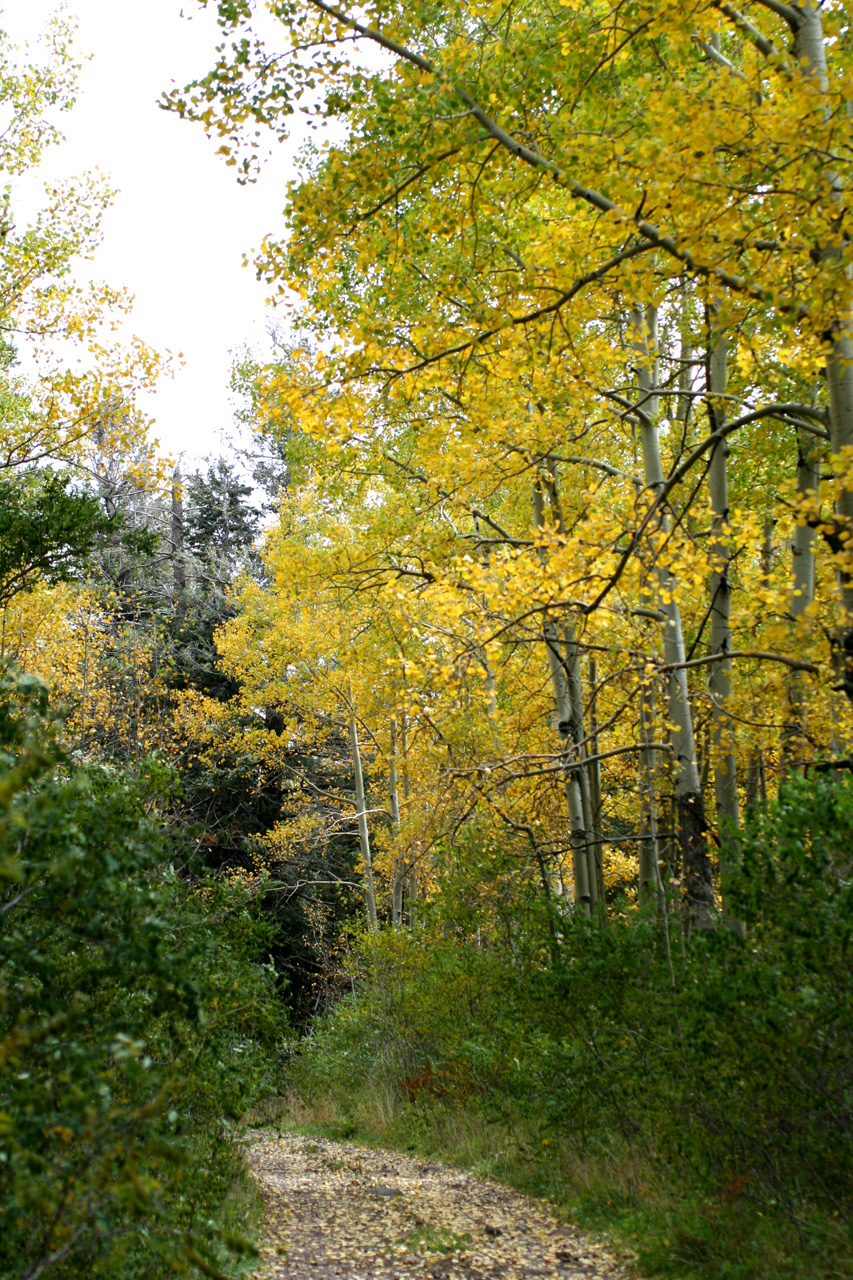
(339, 1210)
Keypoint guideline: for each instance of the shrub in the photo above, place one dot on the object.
(734, 1074)
(136, 1019)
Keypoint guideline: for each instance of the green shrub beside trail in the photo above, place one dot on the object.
(136, 1022)
(706, 1118)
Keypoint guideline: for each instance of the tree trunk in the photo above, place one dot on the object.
(571, 776)
(595, 872)
(595, 773)
(179, 567)
(839, 370)
(398, 884)
(806, 23)
(410, 892)
(720, 683)
(363, 833)
(692, 833)
(802, 552)
(649, 852)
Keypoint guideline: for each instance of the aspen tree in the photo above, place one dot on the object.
(467, 247)
(595, 875)
(583, 891)
(693, 837)
(649, 855)
(720, 682)
(361, 814)
(398, 881)
(806, 23)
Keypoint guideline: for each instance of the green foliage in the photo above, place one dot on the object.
(44, 529)
(725, 1095)
(220, 524)
(136, 1019)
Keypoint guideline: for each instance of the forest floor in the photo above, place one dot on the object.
(338, 1210)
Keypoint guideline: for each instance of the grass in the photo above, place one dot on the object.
(427, 1240)
(611, 1190)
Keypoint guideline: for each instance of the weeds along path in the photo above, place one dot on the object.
(338, 1210)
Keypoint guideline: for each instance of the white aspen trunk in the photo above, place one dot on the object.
(756, 781)
(808, 481)
(595, 773)
(809, 48)
(411, 889)
(692, 833)
(398, 883)
(810, 52)
(802, 554)
(392, 777)
(363, 833)
(839, 369)
(684, 410)
(720, 683)
(595, 872)
(571, 779)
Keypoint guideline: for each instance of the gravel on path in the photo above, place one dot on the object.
(337, 1211)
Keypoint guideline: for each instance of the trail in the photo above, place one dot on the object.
(336, 1211)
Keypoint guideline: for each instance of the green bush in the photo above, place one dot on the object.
(137, 1020)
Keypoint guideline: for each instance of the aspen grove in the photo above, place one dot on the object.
(462, 762)
(572, 400)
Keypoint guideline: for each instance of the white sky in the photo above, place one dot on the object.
(181, 224)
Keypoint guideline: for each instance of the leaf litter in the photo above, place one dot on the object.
(338, 1210)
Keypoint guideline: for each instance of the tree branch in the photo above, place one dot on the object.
(529, 317)
(768, 411)
(762, 44)
(761, 654)
(576, 189)
(784, 11)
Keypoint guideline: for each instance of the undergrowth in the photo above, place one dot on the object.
(702, 1120)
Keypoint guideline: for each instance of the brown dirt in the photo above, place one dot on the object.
(337, 1210)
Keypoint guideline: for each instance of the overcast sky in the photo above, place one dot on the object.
(181, 224)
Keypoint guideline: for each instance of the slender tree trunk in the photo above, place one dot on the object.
(595, 773)
(179, 567)
(756, 783)
(684, 404)
(802, 553)
(649, 852)
(363, 833)
(571, 776)
(411, 883)
(692, 832)
(720, 682)
(595, 872)
(398, 884)
(806, 22)
(839, 368)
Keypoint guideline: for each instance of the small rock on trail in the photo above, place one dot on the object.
(336, 1211)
